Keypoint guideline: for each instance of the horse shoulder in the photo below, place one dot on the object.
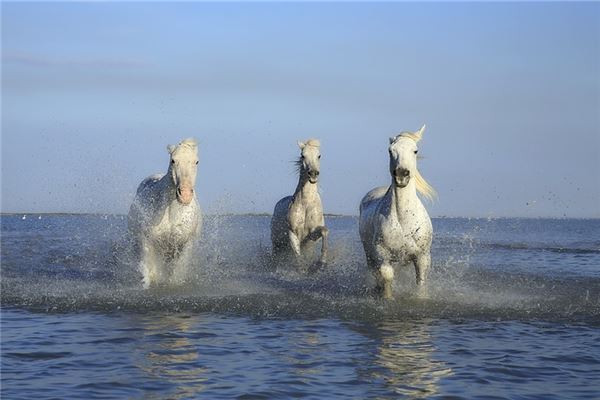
(282, 208)
(296, 216)
(424, 232)
(279, 223)
(314, 213)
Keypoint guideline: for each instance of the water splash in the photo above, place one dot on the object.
(81, 263)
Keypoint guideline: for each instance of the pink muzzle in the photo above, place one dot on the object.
(185, 194)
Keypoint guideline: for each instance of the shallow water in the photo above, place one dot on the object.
(513, 312)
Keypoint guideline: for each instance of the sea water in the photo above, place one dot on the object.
(513, 311)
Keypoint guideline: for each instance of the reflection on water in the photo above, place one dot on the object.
(304, 352)
(76, 325)
(167, 354)
(404, 360)
(204, 355)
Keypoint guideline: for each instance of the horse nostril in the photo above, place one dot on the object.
(402, 172)
(317, 173)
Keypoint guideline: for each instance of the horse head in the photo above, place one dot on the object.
(403, 156)
(403, 162)
(183, 168)
(309, 162)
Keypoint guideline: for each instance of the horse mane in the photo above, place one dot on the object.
(423, 187)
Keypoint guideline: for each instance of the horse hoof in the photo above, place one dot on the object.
(422, 292)
(316, 267)
(387, 294)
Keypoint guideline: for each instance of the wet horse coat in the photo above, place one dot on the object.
(298, 220)
(165, 218)
(394, 225)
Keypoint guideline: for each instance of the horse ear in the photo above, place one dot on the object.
(392, 138)
(171, 148)
(419, 133)
(301, 144)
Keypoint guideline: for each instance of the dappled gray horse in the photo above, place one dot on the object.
(394, 225)
(165, 218)
(298, 220)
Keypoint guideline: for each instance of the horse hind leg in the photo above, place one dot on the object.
(181, 264)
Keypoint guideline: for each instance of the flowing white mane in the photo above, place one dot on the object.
(389, 213)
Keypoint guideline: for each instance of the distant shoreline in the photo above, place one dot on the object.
(54, 214)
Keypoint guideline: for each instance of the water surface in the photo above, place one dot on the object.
(513, 312)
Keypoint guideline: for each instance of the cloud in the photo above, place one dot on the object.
(44, 61)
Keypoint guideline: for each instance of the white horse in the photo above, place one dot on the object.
(165, 218)
(394, 225)
(298, 220)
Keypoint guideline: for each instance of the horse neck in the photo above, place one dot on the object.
(306, 192)
(402, 199)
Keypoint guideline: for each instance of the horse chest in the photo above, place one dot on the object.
(303, 219)
(399, 238)
(176, 225)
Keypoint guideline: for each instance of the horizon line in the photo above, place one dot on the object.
(265, 214)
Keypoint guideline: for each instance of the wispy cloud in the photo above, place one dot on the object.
(38, 60)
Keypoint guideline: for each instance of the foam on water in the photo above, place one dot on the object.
(512, 321)
(71, 266)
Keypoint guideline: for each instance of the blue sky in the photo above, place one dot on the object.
(93, 92)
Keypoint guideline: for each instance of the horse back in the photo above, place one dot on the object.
(372, 196)
(281, 211)
(149, 182)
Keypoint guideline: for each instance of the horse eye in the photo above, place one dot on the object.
(172, 161)
(416, 151)
(319, 156)
(196, 162)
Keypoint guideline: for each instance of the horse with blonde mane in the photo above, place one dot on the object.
(298, 220)
(165, 219)
(394, 225)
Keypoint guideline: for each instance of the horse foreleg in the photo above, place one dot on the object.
(294, 243)
(181, 264)
(148, 264)
(320, 232)
(422, 264)
(324, 244)
(384, 274)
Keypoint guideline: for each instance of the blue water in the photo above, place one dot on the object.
(513, 312)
